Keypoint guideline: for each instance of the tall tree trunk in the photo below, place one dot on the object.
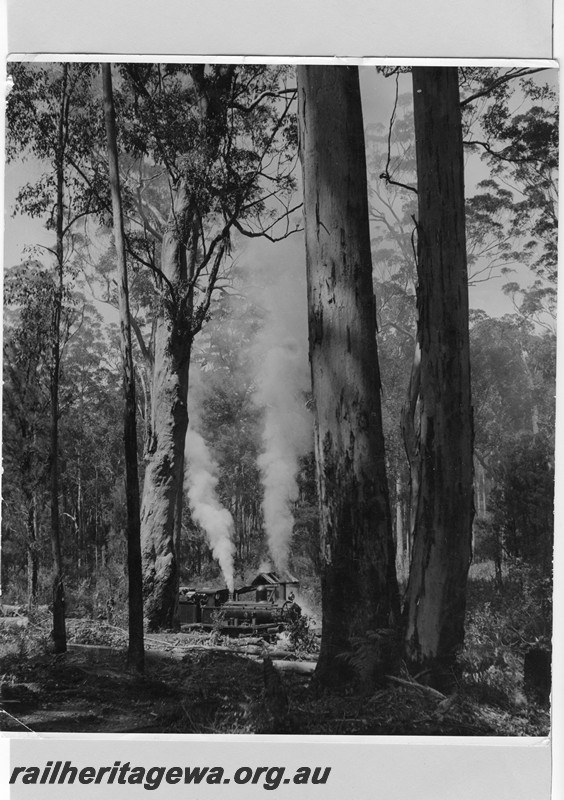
(161, 510)
(410, 428)
(136, 652)
(359, 587)
(436, 594)
(58, 597)
(32, 554)
(402, 563)
(162, 489)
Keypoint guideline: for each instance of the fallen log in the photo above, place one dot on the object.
(178, 653)
(287, 655)
(301, 667)
(418, 686)
(14, 622)
(12, 611)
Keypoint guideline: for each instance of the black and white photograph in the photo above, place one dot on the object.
(279, 376)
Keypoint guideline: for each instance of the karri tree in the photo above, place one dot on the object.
(359, 587)
(436, 592)
(135, 595)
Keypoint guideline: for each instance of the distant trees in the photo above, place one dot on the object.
(25, 403)
(359, 589)
(89, 443)
(46, 113)
(513, 376)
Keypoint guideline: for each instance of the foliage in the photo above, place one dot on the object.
(33, 131)
(513, 381)
(503, 623)
(23, 643)
(373, 657)
(97, 633)
(521, 501)
(218, 619)
(301, 638)
(90, 433)
(513, 123)
(514, 413)
(225, 134)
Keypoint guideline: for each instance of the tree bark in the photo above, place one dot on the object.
(359, 587)
(436, 594)
(161, 507)
(176, 327)
(410, 428)
(58, 592)
(136, 652)
(32, 554)
(402, 550)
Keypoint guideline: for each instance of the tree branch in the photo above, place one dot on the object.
(519, 73)
(255, 103)
(499, 153)
(203, 309)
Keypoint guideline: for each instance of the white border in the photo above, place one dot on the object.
(395, 28)
(545, 63)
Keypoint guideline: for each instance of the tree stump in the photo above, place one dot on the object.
(537, 675)
(275, 699)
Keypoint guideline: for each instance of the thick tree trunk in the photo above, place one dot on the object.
(436, 594)
(402, 551)
(410, 428)
(136, 651)
(359, 587)
(160, 512)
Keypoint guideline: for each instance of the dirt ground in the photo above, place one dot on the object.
(193, 684)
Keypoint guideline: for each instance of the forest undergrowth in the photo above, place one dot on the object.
(208, 683)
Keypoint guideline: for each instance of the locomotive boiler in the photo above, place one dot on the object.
(265, 606)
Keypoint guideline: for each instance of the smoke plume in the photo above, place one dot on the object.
(200, 485)
(282, 380)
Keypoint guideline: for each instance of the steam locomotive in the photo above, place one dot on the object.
(264, 606)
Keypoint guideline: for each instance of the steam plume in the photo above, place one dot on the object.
(200, 485)
(282, 380)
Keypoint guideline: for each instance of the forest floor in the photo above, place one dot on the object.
(203, 683)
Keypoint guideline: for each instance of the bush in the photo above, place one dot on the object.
(300, 637)
(522, 501)
(503, 622)
(23, 643)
